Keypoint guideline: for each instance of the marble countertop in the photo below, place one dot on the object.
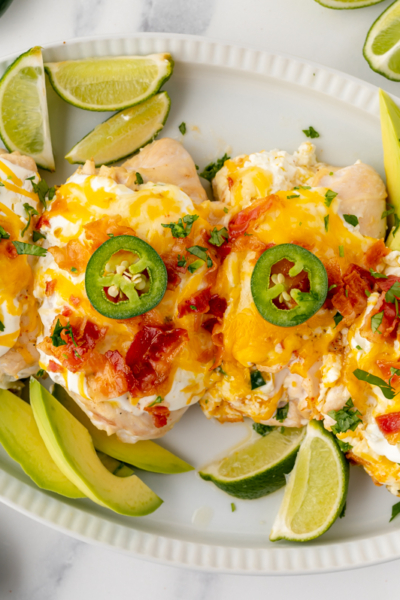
(37, 563)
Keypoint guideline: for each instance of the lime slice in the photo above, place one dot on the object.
(124, 133)
(24, 120)
(347, 4)
(316, 492)
(382, 45)
(111, 83)
(258, 468)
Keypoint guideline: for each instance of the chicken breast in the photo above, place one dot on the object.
(167, 161)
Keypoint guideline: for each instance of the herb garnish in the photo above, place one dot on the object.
(388, 212)
(256, 379)
(330, 195)
(201, 253)
(158, 400)
(38, 235)
(40, 373)
(42, 190)
(181, 261)
(182, 128)
(395, 511)
(326, 221)
(30, 211)
(337, 318)
(195, 265)
(139, 179)
(2, 327)
(233, 506)
(218, 237)
(344, 446)
(182, 227)
(23, 248)
(341, 251)
(387, 390)
(293, 196)
(262, 429)
(311, 132)
(376, 322)
(282, 413)
(377, 275)
(351, 220)
(4, 235)
(346, 418)
(212, 169)
(393, 292)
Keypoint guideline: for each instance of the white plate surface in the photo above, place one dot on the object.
(238, 100)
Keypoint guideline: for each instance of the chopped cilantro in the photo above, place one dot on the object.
(376, 322)
(201, 253)
(341, 251)
(395, 511)
(311, 133)
(226, 210)
(346, 418)
(332, 287)
(181, 261)
(337, 318)
(218, 237)
(256, 380)
(182, 128)
(282, 413)
(110, 235)
(38, 235)
(377, 275)
(56, 338)
(344, 446)
(43, 191)
(4, 235)
(195, 265)
(139, 179)
(346, 293)
(343, 511)
(74, 270)
(293, 196)
(358, 347)
(30, 212)
(326, 221)
(331, 173)
(393, 292)
(2, 184)
(233, 506)
(158, 400)
(2, 327)
(330, 195)
(182, 227)
(393, 372)
(197, 167)
(351, 220)
(40, 373)
(249, 234)
(367, 293)
(193, 307)
(305, 187)
(262, 429)
(23, 248)
(386, 388)
(389, 211)
(221, 371)
(212, 169)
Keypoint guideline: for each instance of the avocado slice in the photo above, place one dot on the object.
(390, 128)
(20, 437)
(71, 448)
(144, 455)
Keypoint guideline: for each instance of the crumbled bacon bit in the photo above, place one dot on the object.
(50, 287)
(198, 304)
(98, 231)
(349, 297)
(54, 367)
(217, 305)
(375, 253)
(73, 254)
(75, 301)
(240, 222)
(67, 311)
(159, 414)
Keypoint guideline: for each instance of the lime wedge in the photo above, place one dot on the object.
(316, 492)
(258, 468)
(110, 83)
(124, 133)
(390, 127)
(347, 4)
(24, 120)
(382, 45)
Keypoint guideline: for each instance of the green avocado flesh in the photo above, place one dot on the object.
(144, 455)
(71, 448)
(390, 127)
(20, 437)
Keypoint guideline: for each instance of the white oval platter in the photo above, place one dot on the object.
(238, 100)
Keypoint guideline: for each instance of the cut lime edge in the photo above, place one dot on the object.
(279, 529)
(81, 161)
(210, 472)
(342, 5)
(369, 55)
(49, 165)
(111, 107)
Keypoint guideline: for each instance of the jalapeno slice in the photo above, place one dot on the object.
(125, 277)
(279, 273)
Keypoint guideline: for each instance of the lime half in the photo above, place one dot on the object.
(124, 133)
(110, 83)
(24, 120)
(347, 4)
(258, 468)
(382, 45)
(317, 488)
